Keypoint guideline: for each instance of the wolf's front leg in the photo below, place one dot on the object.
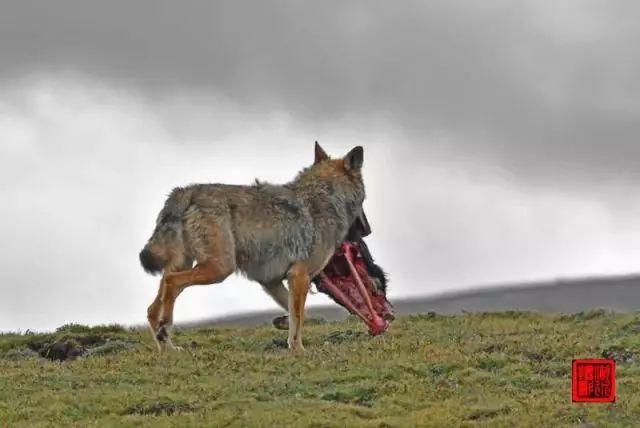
(299, 283)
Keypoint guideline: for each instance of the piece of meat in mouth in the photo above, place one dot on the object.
(355, 282)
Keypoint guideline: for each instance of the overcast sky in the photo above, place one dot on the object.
(500, 138)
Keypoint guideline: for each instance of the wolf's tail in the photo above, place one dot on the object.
(166, 246)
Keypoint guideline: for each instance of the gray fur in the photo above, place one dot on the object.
(270, 226)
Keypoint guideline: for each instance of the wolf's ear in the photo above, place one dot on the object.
(354, 159)
(320, 154)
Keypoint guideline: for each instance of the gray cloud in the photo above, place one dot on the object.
(85, 169)
(547, 91)
(477, 117)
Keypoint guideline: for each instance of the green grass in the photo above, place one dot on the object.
(504, 369)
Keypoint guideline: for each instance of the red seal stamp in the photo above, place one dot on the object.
(593, 381)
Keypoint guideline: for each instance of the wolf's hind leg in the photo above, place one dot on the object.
(175, 283)
(211, 243)
(278, 293)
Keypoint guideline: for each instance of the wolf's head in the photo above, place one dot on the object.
(351, 278)
(345, 176)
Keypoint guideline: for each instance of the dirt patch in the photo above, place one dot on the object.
(619, 354)
(359, 396)
(161, 408)
(69, 344)
(18, 354)
(585, 315)
(494, 347)
(333, 337)
(109, 347)
(538, 356)
(276, 344)
(481, 414)
(344, 336)
(69, 350)
(61, 351)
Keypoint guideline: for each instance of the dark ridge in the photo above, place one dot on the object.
(564, 296)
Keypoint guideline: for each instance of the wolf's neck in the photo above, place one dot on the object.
(329, 202)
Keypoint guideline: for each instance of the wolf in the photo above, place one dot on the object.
(269, 233)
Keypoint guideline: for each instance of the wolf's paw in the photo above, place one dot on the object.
(295, 345)
(162, 334)
(281, 322)
(168, 347)
(164, 340)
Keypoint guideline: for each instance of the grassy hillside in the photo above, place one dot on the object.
(504, 369)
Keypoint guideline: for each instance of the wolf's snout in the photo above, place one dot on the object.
(365, 229)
